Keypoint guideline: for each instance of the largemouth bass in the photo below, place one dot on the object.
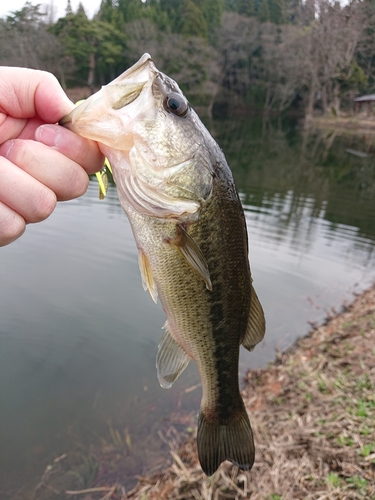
(178, 192)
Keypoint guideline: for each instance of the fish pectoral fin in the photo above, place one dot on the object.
(147, 278)
(171, 359)
(256, 325)
(193, 255)
(233, 441)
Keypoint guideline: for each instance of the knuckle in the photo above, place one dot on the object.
(12, 226)
(45, 203)
(19, 151)
(80, 182)
(91, 157)
(75, 184)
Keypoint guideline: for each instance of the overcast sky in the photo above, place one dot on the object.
(91, 6)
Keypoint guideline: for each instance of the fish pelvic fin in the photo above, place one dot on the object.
(147, 278)
(256, 325)
(193, 255)
(233, 442)
(171, 359)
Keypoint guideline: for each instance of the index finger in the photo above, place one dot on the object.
(82, 151)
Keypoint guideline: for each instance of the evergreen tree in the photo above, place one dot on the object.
(212, 11)
(81, 10)
(193, 22)
(93, 44)
(155, 13)
(247, 7)
(243, 7)
(130, 9)
(68, 9)
(277, 11)
(174, 12)
(110, 13)
(106, 10)
(29, 17)
(263, 11)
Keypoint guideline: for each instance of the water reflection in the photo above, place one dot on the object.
(78, 335)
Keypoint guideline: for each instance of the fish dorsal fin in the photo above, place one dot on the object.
(256, 325)
(193, 255)
(171, 359)
(147, 278)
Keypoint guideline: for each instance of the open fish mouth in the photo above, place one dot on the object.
(97, 118)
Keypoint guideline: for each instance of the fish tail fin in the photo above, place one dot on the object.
(233, 441)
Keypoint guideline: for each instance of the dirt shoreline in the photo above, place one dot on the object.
(353, 124)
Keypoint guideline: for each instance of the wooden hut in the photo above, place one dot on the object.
(368, 99)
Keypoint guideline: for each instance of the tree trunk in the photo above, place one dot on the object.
(336, 100)
(214, 94)
(91, 77)
(324, 99)
(310, 103)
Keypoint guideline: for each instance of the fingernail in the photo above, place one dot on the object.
(5, 148)
(48, 134)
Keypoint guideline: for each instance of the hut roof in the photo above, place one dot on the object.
(365, 98)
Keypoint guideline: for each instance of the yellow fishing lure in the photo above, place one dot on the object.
(103, 179)
(101, 176)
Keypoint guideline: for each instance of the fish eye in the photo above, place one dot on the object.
(176, 104)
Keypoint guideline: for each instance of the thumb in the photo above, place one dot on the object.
(26, 93)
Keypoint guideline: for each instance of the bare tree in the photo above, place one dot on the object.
(232, 64)
(188, 63)
(25, 41)
(283, 65)
(329, 47)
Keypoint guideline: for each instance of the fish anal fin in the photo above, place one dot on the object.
(192, 254)
(256, 325)
(233, 442)
(171, 359)
(147, 278)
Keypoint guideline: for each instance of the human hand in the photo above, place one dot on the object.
(40, 162)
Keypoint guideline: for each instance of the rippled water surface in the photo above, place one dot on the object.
(78, 335)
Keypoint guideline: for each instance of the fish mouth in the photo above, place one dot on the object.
(105, 116)
(137, 68)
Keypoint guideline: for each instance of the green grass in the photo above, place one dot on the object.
(367, 449)
(359, 483)
(335, 480)
(345, 441)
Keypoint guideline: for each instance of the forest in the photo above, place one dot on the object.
(227, 55)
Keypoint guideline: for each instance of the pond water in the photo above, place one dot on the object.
(78, 335)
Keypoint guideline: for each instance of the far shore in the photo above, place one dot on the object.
(357, 123)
